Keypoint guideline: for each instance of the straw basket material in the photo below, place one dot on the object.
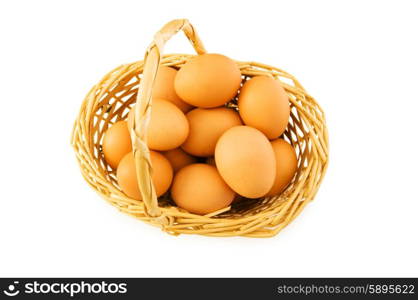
(110, 100)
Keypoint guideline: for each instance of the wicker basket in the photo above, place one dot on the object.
(110, 100)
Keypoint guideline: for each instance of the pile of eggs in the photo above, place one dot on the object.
(204, 152)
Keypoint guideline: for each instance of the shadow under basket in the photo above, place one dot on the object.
(110, 100)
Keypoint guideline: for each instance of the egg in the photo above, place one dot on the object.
(208, 80)
(199, 189)
(206, 126)
(162, 175)
(179, 159)
(116, 143)
(168, 127)
(264, 105)
(286, 165)
(164, 88)
(245, 159)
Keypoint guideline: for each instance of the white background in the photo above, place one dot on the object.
(357, 58)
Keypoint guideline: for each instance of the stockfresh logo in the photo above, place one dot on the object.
(65, 288)
(12, 289)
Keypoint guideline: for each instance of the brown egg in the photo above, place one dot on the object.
(264, 105)
(286, 165)
(199, 189)
(245, 159)
(168, 127)
(208, 80)
(179, 159)
(164, 88)
(206, 127)
(116, 143)
(162, 175)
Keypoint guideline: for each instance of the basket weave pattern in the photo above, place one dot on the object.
(110, 100)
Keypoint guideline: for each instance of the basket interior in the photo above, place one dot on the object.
(114, 100)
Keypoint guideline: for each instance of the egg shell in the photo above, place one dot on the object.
(168, 127)
(199, 189)
(162, 175)
(164, 88)
(116, 143)
(286, 165)
(245, 159)
(264, 105)
(206, 127)
(208, 80)
(179, 159)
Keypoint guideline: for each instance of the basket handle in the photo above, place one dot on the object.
(142, 113)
